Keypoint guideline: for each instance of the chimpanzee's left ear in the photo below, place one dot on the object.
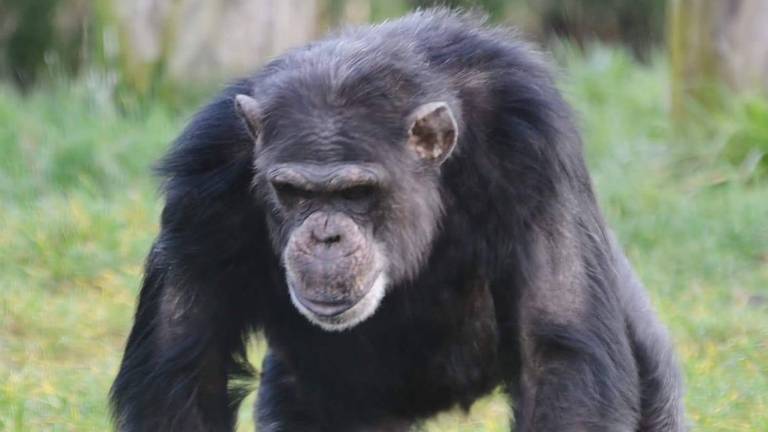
(432, 132)
(250, 112)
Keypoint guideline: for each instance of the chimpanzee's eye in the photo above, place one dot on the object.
(290, 193)
(357, 193)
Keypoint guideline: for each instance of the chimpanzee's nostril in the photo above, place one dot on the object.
(325, 237)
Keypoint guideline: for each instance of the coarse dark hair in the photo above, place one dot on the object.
(501, 269)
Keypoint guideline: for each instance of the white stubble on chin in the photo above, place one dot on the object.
(353, 316)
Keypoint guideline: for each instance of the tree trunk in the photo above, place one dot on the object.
(715, 43)
(200, 41)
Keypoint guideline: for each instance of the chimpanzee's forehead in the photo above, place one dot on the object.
(327, 110)
(321, 152)
(333, 136)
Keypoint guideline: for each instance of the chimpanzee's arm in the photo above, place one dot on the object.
(578, 371)
(184, 346)
(200, 296)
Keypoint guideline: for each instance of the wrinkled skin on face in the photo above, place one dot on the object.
(331, 262)
(334, 270)
(347, 226)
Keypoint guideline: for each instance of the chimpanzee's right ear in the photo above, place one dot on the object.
(250, 112)
(433, 132)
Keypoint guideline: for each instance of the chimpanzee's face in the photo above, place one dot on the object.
(352, 205)
(328, 214)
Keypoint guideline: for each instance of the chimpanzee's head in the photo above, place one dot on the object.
(348, 169)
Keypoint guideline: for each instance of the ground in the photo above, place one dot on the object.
(79, 211)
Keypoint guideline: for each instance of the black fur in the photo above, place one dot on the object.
(521, 286)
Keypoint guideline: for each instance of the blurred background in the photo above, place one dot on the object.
(672, 98)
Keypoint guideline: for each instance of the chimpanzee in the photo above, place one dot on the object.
(404, 212)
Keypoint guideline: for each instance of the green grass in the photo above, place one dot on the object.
(79, 211)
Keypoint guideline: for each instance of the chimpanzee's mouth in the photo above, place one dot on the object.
(337, 315)
(326, 308)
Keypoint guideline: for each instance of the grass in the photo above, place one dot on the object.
(79, 212)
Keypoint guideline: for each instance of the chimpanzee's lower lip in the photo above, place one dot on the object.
(341, 315)
(326, 309)
(320, 257)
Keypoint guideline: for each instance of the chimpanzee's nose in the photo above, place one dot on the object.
(328, 232)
